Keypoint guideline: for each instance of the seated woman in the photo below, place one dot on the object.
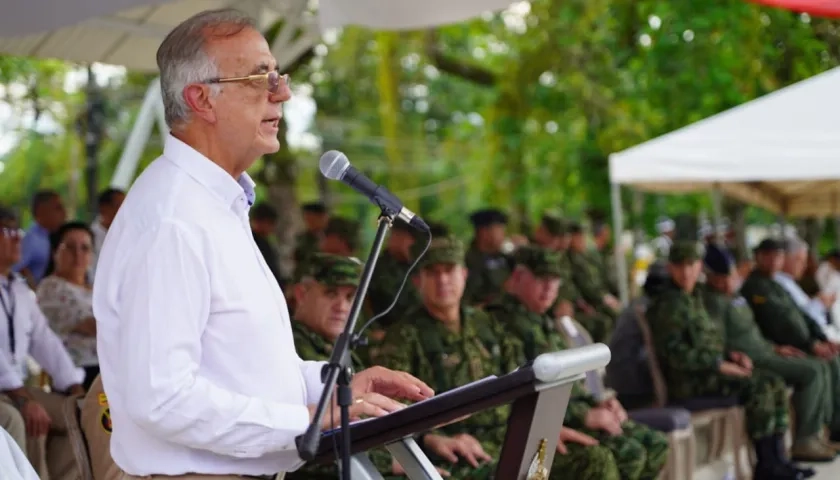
(65, 295)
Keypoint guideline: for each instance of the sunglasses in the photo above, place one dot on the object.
(9, 232)
(273, 80)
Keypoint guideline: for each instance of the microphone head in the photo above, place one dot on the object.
(333, 164)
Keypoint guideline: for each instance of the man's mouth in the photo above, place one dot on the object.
(273, 121)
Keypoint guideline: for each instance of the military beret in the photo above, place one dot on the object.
(487, 217)
(770, 245)
(345, 228)
(541, 261)
(332, 270)
(574, 227)
(554, 224)
(438, 229)
(314, 207)
(719, 260)
(685, 251)
(443, 250)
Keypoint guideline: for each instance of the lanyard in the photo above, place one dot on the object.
(9, 310)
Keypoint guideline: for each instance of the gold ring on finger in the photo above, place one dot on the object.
(359, 400)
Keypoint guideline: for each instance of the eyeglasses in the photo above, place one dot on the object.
(9, 232)
(273, 80)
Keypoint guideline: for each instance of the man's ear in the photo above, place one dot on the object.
(299, 290)
(198, 98)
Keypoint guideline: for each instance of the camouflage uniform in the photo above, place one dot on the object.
(488, 271)
(334, 271)
(690, 349)
(811, 381)
(783, 323)
(605, 260)
(386, 281)
(640, 453)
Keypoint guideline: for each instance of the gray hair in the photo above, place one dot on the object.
(795, 245)
(182, 58)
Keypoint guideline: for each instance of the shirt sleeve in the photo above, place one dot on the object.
(48, 350)
(10, 378)
(164, 309)
(26, 249)
(311, 372)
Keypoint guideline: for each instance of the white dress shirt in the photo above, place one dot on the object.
(193, 332)
(99, 232)
(13, 462)
(813, 307)
(32, 336)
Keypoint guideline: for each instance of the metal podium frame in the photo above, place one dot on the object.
(533, 426)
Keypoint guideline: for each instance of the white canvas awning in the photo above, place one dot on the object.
(128, 32)
(780, 152)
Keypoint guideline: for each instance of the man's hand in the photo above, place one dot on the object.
(789, 351)
(398, 469)
(824, 350)
(574, 436)
(36, 418)
(76, 390)
(600, 418)
(463, 446)
(731, 369)
(585, 307)
(612, 302)
(615, 407)
(389, 383)
(564, 308)
(742, 359)
(367, 405)
(827, 299)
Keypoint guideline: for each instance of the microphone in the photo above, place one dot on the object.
(335, 166)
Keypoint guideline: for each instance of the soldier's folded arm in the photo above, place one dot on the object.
(676, 341)
(778, 324)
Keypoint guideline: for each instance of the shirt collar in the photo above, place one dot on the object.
(208, 173)
(37, 229)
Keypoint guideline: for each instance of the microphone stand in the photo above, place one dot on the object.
(339, 369)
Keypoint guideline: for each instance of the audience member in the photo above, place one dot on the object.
(48, 213)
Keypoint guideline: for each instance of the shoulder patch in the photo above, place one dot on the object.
(758, 299)
(105, 420)
(103, 400)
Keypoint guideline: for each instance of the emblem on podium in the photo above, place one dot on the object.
(538, 470)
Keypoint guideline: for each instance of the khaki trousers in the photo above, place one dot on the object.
(51, 455)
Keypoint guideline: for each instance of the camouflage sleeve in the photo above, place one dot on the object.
(674, 339)
(304, 347)
(576, 413)
(401, 350)
(587, 284)
(777, 317)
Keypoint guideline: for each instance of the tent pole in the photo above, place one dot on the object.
(618, 229)
(138, 138)
(716, 213)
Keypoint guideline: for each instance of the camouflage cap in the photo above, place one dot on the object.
(685, 251)
(443, 250)
(554, 224)
(332, 270)
(542, 262)
(345, 228)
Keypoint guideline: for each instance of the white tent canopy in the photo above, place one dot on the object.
(128, 32)
(780, 152)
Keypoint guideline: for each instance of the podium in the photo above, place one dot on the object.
(539, 393)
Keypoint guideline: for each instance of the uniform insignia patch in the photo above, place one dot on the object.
(758, 299)
(105, 419)
(103, 400)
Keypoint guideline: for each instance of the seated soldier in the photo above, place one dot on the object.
(690, 350)
(589, 280)
(96, 427)
(449, 344)
(638, 451)
(324, 295)
(808, 377)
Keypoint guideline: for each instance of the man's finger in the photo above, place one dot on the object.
(561, 448)
(380, 401)
(470, 457)
(443, 473)
(449, 455)
(481, 454)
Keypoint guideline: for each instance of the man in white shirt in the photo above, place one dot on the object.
(796, 258)
(24, 331)
(193, 332)
(828, 279)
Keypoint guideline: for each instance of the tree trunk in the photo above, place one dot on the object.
(278, 174)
